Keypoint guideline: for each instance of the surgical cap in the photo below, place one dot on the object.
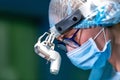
(105, 14)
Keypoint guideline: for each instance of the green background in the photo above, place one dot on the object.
(21, 23)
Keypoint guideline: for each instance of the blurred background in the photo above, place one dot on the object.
(21, 23)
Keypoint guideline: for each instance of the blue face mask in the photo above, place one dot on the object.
(88, 56)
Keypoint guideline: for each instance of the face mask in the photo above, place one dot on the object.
(88, 56)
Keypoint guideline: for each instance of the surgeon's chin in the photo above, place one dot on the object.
(69, 48)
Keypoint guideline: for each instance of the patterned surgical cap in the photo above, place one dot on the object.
(104, 15)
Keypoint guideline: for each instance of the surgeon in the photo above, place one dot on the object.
(94, 42)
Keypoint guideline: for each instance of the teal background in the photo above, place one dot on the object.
(21, 23)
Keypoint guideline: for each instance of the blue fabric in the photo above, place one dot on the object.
(105, 15)
(105, 73)
(88, 56)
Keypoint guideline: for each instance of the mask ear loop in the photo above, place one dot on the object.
(100, 33)
(104, 35)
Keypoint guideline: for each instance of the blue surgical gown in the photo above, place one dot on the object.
(105, 73)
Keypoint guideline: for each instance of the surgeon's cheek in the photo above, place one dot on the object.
(69, 48)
